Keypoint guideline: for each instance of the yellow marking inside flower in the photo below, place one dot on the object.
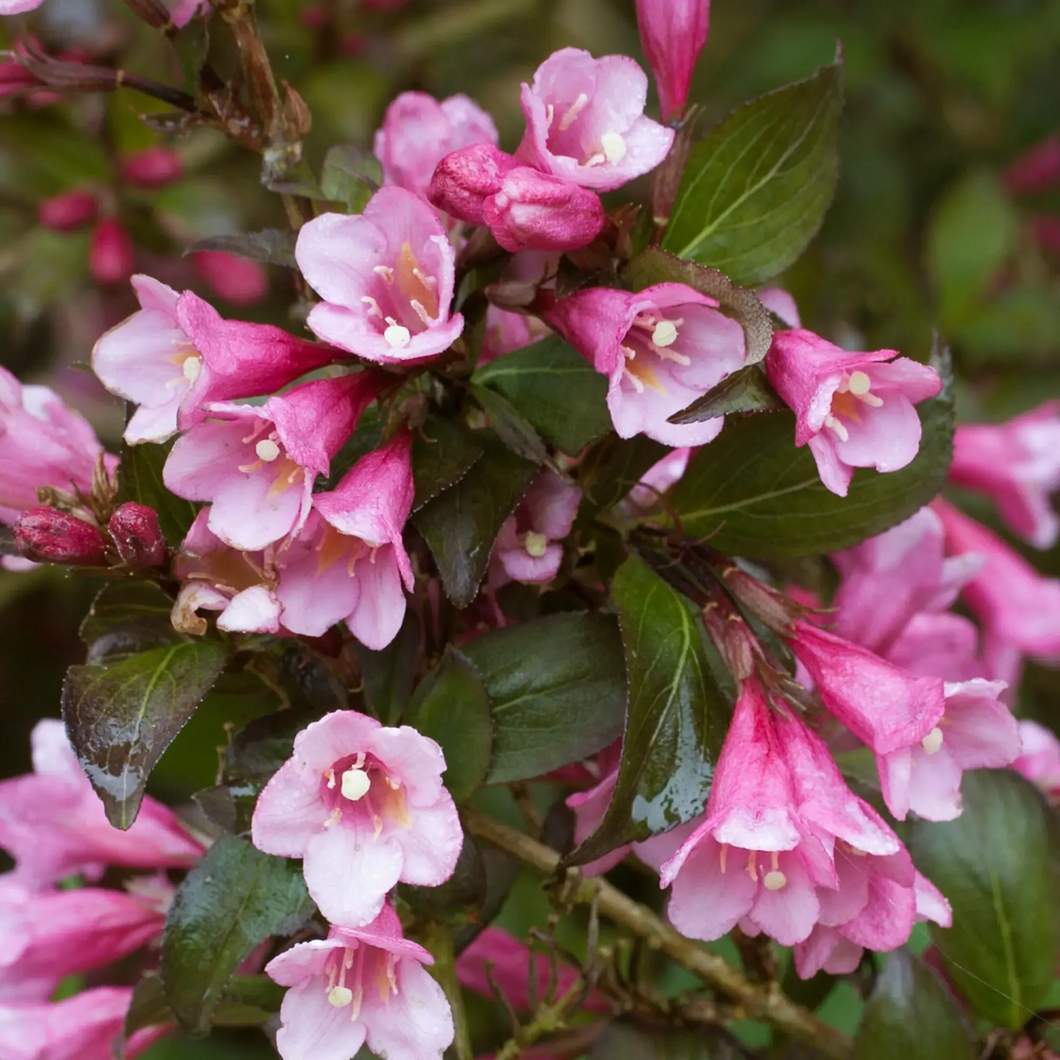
(410, 281)
(288, 474)
(394, 806)
(642, 375)
(330, 547)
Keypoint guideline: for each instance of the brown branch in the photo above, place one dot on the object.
(755, 1001)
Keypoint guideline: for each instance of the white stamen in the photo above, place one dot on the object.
(932, 743)
(573, 111)
(330, 774)
(637, 384)
(373, 306)
(665, 333)
(672, 355)
(774, 881)
(340, 996)
(428, 281)
(613, 146)
(595, 160)
(192, 368)
(385, 271)
(397, 337)
(355, 784)
(629, 352)
(267, 450)
(871, 399)
(831, 421)
(550, 115)
(418, 309)
(536, 545)
(859, 383)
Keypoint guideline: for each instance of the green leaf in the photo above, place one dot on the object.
(654, 266)
(910, 1014)
(452, 707)
(752, 493)
(756, 187)
(127, 617)
(459, 899)
(462, 523)
(677, 716)
(140, 480)
(270, 246)
(232, 900)
(999, 866)
(557, 690)
(442, 453)
(389, 675)
(746, 390)
(122, 717)
(511, 426)
(558, 392)
(614, 466)
(627, 1041)
(350, 175)
(192, 44)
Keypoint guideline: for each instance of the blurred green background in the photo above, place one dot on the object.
(941, 97)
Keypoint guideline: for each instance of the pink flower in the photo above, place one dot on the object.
(358, 985)
(256, 464)
(48, 535)
(781, 304)
(673, 34)
(49, 935)
(505, 331)
(176, 355)
(528, 548)
(585, 120)
(216, 577)
(977, 731)
(137, 536)
(1012, 601)
(660, 349)
(938, 644)
(657, 480)
(1018, 465)
(751, 811)
(589, 807)
(154, 167)
(889, 578)
(882, 705)
(852, 409)
(53, 824)
(69, 210)
(42, 443)
(418, 132)
(1036, 168)
(364, 806)
(111, 255)
(1039, 759)
(235, 279)
(385, 277)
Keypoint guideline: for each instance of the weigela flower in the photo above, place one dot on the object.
(176, 355)
(53, 824)
(505, 331)
(418, 131)
(938, 644)
(69, 210)
(977, 731)
(235, 279)
(852, 409)
(585, 120)
(358, 985)
(48, 535)
(1018, 465)
(1039, 759)
(660, 349)
(657, 480)
(364, 806)
(385, 277)
(256, 464)
(111, 254)
(42, 443)
(673, 35)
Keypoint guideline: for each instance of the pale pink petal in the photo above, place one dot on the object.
(314, 1029)
(254, 610)
(301, 961)
(416, 760)
(887, 439)
(705, 902)
(416, 1023)
(289, 810)
(380, 609)
(431, 846)
(788, 913)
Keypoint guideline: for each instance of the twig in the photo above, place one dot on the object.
(766, 1001)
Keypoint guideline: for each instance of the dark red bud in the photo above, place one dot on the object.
(48, 535)
(68, 210)
(137, 535)
(154, 168)
(111, 257)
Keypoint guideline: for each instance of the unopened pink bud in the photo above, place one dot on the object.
(153, 168)
(673, 34)
(236, 280)
(537, 211)
(48, 535)
(1035, 169)
(111, 257)
(466, 178)
(137, 535)
(68, 210)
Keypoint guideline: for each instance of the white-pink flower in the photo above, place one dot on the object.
(1039, 759)
(364, 806)
(585, 120)
(360, 985)
(385, 277)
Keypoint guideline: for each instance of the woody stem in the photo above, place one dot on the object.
(765, 1001)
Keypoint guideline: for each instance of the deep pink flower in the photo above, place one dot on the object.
(883, 706)
(1036, 168)
(385, 277)
(1039, 759)
(673, 33)
(176, 355)
(256, 464)
(852, 409)
(528, 548)
(938, 644)
(889, 578)
(42, 443)
(137, 536)
(111, 255)
(48, 535)
(53, 824)
(977, 731)
(585, 120)
(418, 132)
(68, 210)
(1012, 601)
(1018, 465)
(364, 984)
(660, 349)
(154, 167)
(235, 279)
(364, 806)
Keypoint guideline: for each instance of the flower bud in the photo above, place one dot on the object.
(236, 280)
(537, 211)
(137, 535)
(153, 168)
(48, 535)
(771, 607)
(466, 178)
(111, 257)
(673, 34)
(68, 210)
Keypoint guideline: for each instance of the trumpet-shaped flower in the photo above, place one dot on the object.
(364, 806)
(673, 35)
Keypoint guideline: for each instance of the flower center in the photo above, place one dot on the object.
(355, 784)
(360, 784)
(535, 544)
(932, 743)
(397, 336)
(267, 450)
(854, 390)
(192, 367)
